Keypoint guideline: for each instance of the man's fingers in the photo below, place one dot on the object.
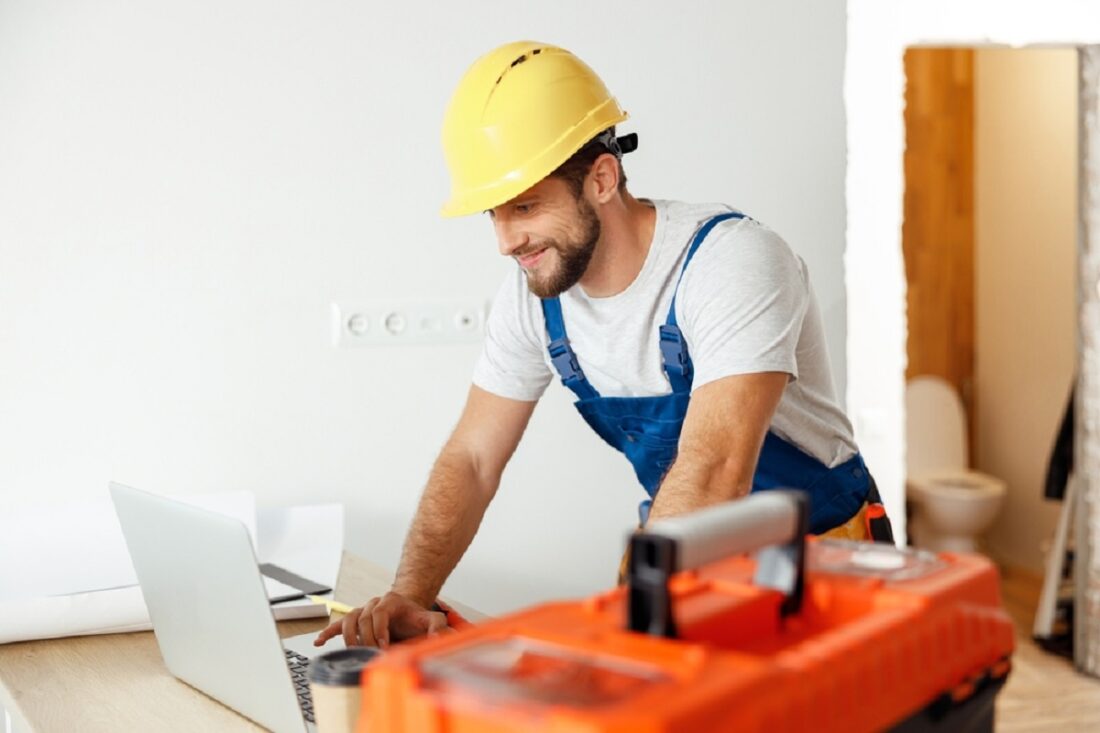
(351, 622)
(382, 620)
(328, 632)
(380, 625)
(437, 623)
(366, 625)
(350, 626)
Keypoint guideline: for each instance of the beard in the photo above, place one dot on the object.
(573, 255)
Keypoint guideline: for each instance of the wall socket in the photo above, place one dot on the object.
(395, 323)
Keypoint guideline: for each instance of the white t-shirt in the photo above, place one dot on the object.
(745, 305)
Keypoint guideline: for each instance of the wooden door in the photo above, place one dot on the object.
(938, 231)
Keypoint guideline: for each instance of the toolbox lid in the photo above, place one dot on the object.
(519, 670)
(871, 559)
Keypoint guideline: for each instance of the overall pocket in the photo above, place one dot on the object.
(662, 434)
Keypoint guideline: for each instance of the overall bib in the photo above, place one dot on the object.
(647, 429)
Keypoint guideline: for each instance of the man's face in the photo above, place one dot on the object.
(550, 233)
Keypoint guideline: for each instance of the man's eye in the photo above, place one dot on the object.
(524, 208)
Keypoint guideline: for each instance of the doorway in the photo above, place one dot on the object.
(989, 238)
(878, 36)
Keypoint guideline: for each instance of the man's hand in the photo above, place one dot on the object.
(392, 617)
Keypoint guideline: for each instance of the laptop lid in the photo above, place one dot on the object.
(208, 606)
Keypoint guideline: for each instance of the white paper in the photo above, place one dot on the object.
(305, 540)
(77, 547)
(99, 612)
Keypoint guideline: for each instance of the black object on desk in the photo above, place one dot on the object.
(284, 576)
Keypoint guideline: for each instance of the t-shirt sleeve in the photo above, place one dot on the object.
(512, 363)
(741, 304)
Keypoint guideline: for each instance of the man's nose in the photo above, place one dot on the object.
(509, 237)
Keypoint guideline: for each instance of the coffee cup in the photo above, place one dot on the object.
(334, 686)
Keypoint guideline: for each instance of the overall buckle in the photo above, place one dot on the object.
(565, 360)
(674, 351)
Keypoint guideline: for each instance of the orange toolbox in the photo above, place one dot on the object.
(804, 634)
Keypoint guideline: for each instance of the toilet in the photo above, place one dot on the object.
(951, 504)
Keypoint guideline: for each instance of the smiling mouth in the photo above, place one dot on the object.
(529, 260)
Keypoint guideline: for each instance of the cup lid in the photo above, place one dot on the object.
(341, 667)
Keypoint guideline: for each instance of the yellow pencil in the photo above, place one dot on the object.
(331, 605)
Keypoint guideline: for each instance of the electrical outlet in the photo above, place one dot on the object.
(397, 323)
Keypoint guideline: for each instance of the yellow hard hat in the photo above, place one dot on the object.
(518, 113)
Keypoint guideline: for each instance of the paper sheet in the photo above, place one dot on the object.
(99, 612)
(77, 547)
(306, 540)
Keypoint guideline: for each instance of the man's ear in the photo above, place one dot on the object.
(603, 179)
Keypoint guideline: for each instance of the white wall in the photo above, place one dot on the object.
(1025, 192)
(185, 187)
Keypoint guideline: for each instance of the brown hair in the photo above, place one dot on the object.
(575, 170)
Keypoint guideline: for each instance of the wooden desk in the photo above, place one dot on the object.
(118, 682)
(114, 682)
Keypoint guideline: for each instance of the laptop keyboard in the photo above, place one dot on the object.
(299, 665)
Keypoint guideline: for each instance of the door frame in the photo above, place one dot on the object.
(879, 31)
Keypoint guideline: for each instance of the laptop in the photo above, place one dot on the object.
(211, 613)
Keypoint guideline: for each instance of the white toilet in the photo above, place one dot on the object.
(952, 505)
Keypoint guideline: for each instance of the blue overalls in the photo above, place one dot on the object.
(647, 429)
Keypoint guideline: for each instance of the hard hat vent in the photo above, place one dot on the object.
(519, 60)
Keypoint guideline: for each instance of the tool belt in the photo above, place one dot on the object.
(869, 523)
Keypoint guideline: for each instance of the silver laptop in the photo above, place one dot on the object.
(210, 611)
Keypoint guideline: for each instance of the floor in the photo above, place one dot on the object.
(1043, 692)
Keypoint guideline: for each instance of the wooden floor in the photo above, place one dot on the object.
(1043, 692)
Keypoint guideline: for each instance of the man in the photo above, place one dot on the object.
(689, 333)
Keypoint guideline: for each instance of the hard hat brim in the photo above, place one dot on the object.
(518, 181)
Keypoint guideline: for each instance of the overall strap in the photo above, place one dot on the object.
(674, 350)
(561, 353)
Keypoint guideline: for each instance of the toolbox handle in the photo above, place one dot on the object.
(774, 523)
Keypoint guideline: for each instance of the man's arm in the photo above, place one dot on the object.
(721, 440)
(463, 481)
